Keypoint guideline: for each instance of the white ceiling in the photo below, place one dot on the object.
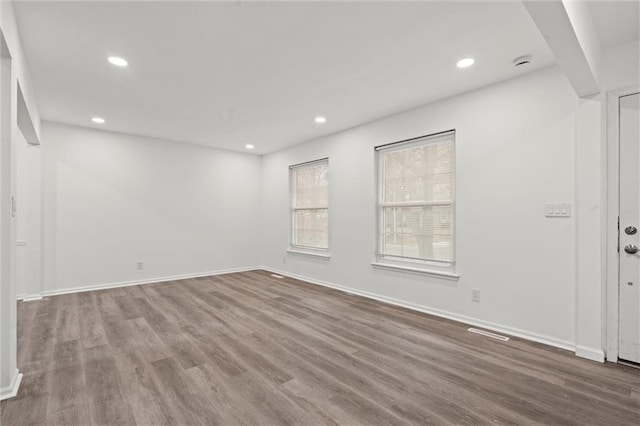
(617, 22)
(228, 74)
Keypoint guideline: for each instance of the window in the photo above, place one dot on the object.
(416, 201)
(310, 205)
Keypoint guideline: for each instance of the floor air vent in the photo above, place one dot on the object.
(488, 334)
(276, 276)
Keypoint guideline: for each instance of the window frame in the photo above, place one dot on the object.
(404, 263)
(297, 248)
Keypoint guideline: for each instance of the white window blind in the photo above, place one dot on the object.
(310, 205)
(416, 206)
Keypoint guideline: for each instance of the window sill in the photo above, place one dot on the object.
(431, 272)
(310, 253)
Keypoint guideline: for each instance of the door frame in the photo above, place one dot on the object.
(612, 199)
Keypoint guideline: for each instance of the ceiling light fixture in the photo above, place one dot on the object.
(119, 62)
(98, 120)
(249, 146)
(466, 62)
(320, 120)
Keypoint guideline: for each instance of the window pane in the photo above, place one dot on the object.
(311, 228)
(418, 232)
(419, 173)
(311, 185)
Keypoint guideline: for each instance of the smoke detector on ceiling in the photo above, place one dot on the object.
(522, 61)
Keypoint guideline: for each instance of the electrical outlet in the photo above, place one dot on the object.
(140, 266)
(475, 295)
(284, 260)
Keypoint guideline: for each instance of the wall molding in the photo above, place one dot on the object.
(140, 282)
(588, 353)
(29, 297)
(11, 390)
(593, 354)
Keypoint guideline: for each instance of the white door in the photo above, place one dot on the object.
(629, 293)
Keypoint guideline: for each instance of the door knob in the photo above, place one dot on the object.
(630, 230)
(631, 249)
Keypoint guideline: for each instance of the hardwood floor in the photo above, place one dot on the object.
(248, 348)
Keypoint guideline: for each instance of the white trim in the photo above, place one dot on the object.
(30, 297)
(11, 390)
(611, 196)
(438, 203)
(589, 353)
(430, 138)
(309, 163)
(431, 272)
(147, 281)
(594, 354)
(309, 253)
(523, 334)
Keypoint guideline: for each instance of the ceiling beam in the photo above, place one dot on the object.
(570, 32)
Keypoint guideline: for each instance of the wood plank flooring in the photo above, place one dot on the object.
(248, 348)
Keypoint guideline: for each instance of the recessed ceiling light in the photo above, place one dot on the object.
(249, 146)
(119, 62)
(464, 63)
(320, 120)
(98, 120)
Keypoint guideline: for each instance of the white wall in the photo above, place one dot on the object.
(588, 216)
(28, 219)
(16, 74)
(621, 66)
(515, 144)
(20, 70)
(22, 229)
(112, 200)
(8, 324)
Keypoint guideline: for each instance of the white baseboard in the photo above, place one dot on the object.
(581, 351)
(590, 353)
(535, 337)
(12, 389)
(145, 281)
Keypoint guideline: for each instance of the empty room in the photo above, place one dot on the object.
(319, 212)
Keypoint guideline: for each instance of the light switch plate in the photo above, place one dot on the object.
(557, 209)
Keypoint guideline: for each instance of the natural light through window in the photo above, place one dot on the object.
(416, 207)
(310, 205)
